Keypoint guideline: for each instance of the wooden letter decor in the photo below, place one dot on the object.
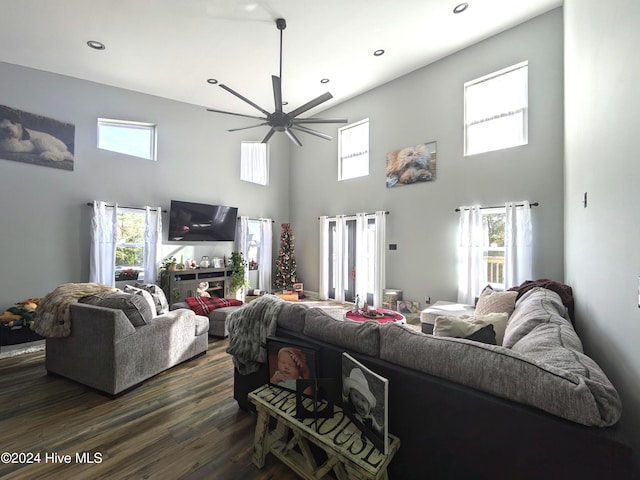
(348, 453)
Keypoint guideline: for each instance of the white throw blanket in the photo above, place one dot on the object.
(52, 318)
(249, 328)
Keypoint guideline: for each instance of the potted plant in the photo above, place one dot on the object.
(169, 263)
(238, 268)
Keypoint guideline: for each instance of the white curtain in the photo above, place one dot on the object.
(242, 241)
(362, 260)
(471, 274)
(265, 261)
(152, 241)
(324, 258)
(341, 226)
(379, 282)
(518, 235)
(104, 235)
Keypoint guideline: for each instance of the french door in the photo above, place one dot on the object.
(352, 259)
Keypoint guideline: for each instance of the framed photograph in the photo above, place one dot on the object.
(413, 164)
(218, 263)
(290, 361)
(365, 398)
(408, 307)
(35, 139)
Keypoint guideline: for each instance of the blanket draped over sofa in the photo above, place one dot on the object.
(52, 318)
(249, 328)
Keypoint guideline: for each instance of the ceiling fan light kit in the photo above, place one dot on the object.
(279, 120)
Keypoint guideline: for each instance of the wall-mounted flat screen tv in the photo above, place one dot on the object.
(199, 222)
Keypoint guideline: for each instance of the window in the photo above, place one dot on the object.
(353, 150)
(493, 254)
(496, 110)
(255, 242)
(254, 162)
(130, 245)
(131, 138)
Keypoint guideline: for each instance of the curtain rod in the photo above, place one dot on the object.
(90, 204)
(251, 218)
(353, 215)
(534, 204)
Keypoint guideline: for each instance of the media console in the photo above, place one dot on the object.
(184, 283)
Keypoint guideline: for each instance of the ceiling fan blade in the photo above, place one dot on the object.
(277, 93)
(250, 126)
(298, 121)
(232, 113)
(293, 138)
(244, 99)
(269, 135)
(309, 105)
(311, 131)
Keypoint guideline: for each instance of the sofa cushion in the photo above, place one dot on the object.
(202, 325)
(535, 307)
(505, 373)
(160, 299)
(135, 307)
(491, 301)
(465, 325)
(292, 316)
(361, 337)
(144, 294)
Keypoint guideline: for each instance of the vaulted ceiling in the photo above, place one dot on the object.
(170, 48)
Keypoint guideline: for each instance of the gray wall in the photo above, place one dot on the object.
(427, 105)
(602, 144)
(45, 221)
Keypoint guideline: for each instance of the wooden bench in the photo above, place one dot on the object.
(346, 451)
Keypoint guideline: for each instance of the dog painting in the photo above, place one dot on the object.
(411, 165)
(34, 139)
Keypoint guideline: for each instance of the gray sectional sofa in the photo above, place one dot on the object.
(534, 407)
(112, 352)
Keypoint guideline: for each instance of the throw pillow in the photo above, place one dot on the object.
(485, 335)
(203, 305)
(466, 325)
(144, 294)
(135, 307)
(491, 301)
(162, 306)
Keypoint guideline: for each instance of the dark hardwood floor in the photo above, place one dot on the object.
(181, 424)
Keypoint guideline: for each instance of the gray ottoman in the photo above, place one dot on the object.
(217, 318)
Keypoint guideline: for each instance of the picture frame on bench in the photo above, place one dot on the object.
(365, 399)
(289, 361)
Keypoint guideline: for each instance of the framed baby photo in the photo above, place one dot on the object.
(365, 398)
(290, 361)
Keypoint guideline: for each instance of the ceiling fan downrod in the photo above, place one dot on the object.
(278, 120)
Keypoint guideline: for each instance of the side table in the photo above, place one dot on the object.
(347, 452)
(428, 315)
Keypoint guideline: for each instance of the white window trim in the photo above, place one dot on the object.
(524, 110)
(150, 127)
(341, 176)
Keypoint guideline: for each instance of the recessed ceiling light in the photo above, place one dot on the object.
(96, 45)
(324, 80)
(460, 8)
(212, 81)
(377, 53)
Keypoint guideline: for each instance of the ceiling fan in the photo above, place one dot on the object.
(280, 121)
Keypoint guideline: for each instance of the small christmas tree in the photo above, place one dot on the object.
(286, 262)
